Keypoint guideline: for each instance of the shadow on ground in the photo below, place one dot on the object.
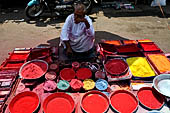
(99, 36)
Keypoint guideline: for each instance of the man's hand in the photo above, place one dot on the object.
(69, 52)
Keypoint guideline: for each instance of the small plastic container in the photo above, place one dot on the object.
(101, 85)
(89, 84)
(63, 85)
(51, 75)
(50, 86)
(76, 84)
(75, 65)
(100, 75)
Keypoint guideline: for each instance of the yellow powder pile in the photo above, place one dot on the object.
(160, 61)
(88, 84)
(140, 67)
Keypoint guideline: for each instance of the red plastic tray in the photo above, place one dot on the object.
(150, 46)
(130, 48)
(19, 56)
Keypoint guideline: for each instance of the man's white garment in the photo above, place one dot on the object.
(80, 38)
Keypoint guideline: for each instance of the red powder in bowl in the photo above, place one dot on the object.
(95, 103)
(67, 74)
(26, 102)
(123, 101)
(58, 103)
(116, 66)
(150, 98)
(83, 73)
(76, 84)
(34, 70)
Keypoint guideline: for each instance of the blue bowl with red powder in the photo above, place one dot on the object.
(101, 84)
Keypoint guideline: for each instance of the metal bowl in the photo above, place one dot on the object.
(162, 84)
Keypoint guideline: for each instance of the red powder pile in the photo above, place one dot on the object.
(67, 74)
(14, 64)
(95, 103)
(76, 84)
(33, 70)
(127, 48)
(26, 104)
(149, 46)
(83, 73)
(59, 105)
(150, 98)
(19, 56)
(116, 66)
(123, 102)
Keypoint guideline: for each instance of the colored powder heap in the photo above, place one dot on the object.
(129, 41)
(63, 85)
(26, 104)
(140, 67)
(114, 42)
(83, 73)
(160, 61)
(50, 85)
(76, 84)
(88, 84)
(150, 99)
(51, 75)
(67, 74)
(116, 66)
(144, 40)
(20, 56)
(34, 70)
(124, 102)
(101, 84)
(95, 103)
(59, 105)
(149, 47)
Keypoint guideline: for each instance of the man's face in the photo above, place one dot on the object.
(78, 15)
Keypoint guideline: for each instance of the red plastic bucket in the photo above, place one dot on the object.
(25, 102)
(95, 102)
(123, 101)
(58, 103)
(150, 98)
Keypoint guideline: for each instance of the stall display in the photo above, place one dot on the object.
(85, 85)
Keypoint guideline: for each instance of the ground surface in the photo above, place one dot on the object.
(143, 22)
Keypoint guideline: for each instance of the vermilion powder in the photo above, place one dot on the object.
(123, 102)
(20, 56)
(67, 74)
(149, 46)
(116, 66)
(150, 99)
(83, 73)
(95, 103)
(59, 105)
(25, 104)
(34, 70)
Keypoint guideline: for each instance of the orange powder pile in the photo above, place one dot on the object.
(114, 42)
(129, 41)
(160, 61)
